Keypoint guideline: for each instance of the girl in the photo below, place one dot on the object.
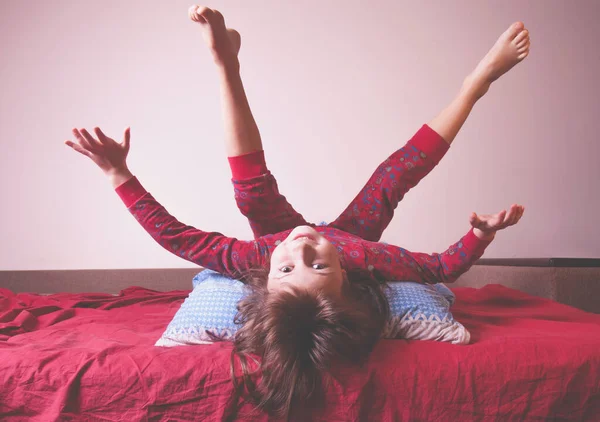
(319, 298)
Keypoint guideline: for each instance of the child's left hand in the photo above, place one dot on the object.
(491, 223)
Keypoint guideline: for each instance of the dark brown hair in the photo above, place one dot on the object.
(297, 334)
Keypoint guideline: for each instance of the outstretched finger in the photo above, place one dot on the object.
(81, 140)
(519, 214)
(93, 142)
(79, 149)
(474, 220)
(515, 217)
(101, 136)
(498, 219)
(126, 138)
(509, 215)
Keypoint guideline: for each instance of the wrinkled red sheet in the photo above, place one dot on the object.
(91, 357)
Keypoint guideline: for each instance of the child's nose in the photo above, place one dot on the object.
(305, 252)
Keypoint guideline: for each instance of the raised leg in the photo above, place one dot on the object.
(256, 191)
(510, 48)
(241, 133)
(267, 210)
(373, 208)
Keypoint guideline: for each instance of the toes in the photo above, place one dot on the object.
(195, 15)
(514, 29)
(211, 16)
(523, 42)
(521, 36)
(522, 56)
(204, 14)
(523, 48)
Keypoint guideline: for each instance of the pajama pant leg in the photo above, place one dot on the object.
(371, 211)
(267, 210)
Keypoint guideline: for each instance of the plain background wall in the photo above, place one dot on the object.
(335, 87)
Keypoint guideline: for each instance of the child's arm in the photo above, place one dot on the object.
(443, 267)
(447, 266)
(208, 249)
(211, 250)
(456, 260)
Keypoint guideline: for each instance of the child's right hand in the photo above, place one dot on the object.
(486, 225)
(109, 155)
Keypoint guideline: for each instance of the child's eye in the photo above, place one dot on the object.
(319, 266)
(286, 269)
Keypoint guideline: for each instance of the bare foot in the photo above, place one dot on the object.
(512, 47)
(223, 42)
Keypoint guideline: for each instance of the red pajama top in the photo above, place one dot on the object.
(354, 233)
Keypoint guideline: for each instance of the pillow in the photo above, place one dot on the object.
(422, 312)
(417, 312)
(207, 312)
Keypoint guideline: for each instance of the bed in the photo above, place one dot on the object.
(91, 356)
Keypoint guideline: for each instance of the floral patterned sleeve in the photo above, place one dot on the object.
(211, 250)
(398, 264)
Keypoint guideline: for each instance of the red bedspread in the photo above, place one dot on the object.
(91, 357)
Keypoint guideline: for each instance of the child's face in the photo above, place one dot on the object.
(306, 259)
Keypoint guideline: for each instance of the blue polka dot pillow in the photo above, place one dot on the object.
(418, 312)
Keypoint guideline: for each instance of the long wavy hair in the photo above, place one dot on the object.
(294, 336)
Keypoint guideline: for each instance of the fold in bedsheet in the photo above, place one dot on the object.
(91, 357)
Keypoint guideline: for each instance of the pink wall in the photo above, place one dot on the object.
(335, 87)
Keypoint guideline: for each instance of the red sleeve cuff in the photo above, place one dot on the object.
(131, 191)
(248, 166)
(474, 244)
(431, 143)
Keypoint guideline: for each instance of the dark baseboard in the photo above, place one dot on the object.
(540, 262)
